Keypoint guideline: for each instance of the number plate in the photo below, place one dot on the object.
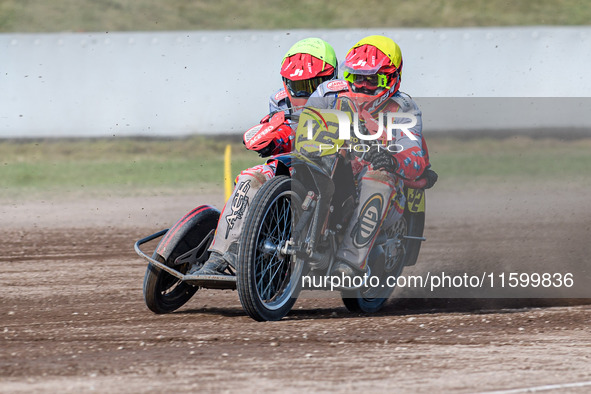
(317, 134)
(415, 200)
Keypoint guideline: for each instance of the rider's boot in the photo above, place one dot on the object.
(215, 265)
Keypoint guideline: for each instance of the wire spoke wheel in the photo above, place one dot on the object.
(272, 269)
(268, 279)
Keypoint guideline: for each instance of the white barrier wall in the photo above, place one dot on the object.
(178, 83)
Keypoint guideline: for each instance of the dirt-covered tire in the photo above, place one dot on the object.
(416, 227)
(163, 292)
(364, 305)
(373, 299)
(268, 282)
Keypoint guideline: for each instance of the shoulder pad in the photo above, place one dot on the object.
(405, 102)
(278, 101)
(331, 87)
(280, 95)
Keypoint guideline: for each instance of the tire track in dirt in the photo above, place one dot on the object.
(73, 317)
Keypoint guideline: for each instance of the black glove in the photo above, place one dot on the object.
(381, 159)
(431, 177)
(267, 150)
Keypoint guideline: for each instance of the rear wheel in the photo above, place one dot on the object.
(383, 264)
(269, 280)
(416, 227)
(401, 253)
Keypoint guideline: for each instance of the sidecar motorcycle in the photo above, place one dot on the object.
(293, 227)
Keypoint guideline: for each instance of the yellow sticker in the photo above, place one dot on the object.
(317, 133)
(415, 200)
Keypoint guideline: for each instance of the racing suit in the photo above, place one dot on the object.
(380, 192)
(247, 183)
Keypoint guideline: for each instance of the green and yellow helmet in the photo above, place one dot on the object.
(307, 64)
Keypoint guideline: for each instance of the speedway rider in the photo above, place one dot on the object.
(372, 71)
(306, 65)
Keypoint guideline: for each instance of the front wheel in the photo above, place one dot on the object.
(269, 280)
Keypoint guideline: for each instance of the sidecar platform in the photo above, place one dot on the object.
(211, 281)
(205, 281)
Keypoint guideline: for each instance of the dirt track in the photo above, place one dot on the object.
(73, 317)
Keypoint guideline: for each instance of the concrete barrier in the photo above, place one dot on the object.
(185, 82)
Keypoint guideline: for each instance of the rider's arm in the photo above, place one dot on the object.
(272, 136)
(411, 160)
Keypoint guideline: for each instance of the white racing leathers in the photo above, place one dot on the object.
(381, 193)
(246, 186)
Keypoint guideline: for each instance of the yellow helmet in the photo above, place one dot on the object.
(373, 66)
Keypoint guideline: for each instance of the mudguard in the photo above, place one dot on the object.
(188, 232)
(283, 164)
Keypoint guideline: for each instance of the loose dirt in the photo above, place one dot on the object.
(73, 319)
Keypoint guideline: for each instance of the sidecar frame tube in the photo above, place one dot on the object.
(150, 260)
